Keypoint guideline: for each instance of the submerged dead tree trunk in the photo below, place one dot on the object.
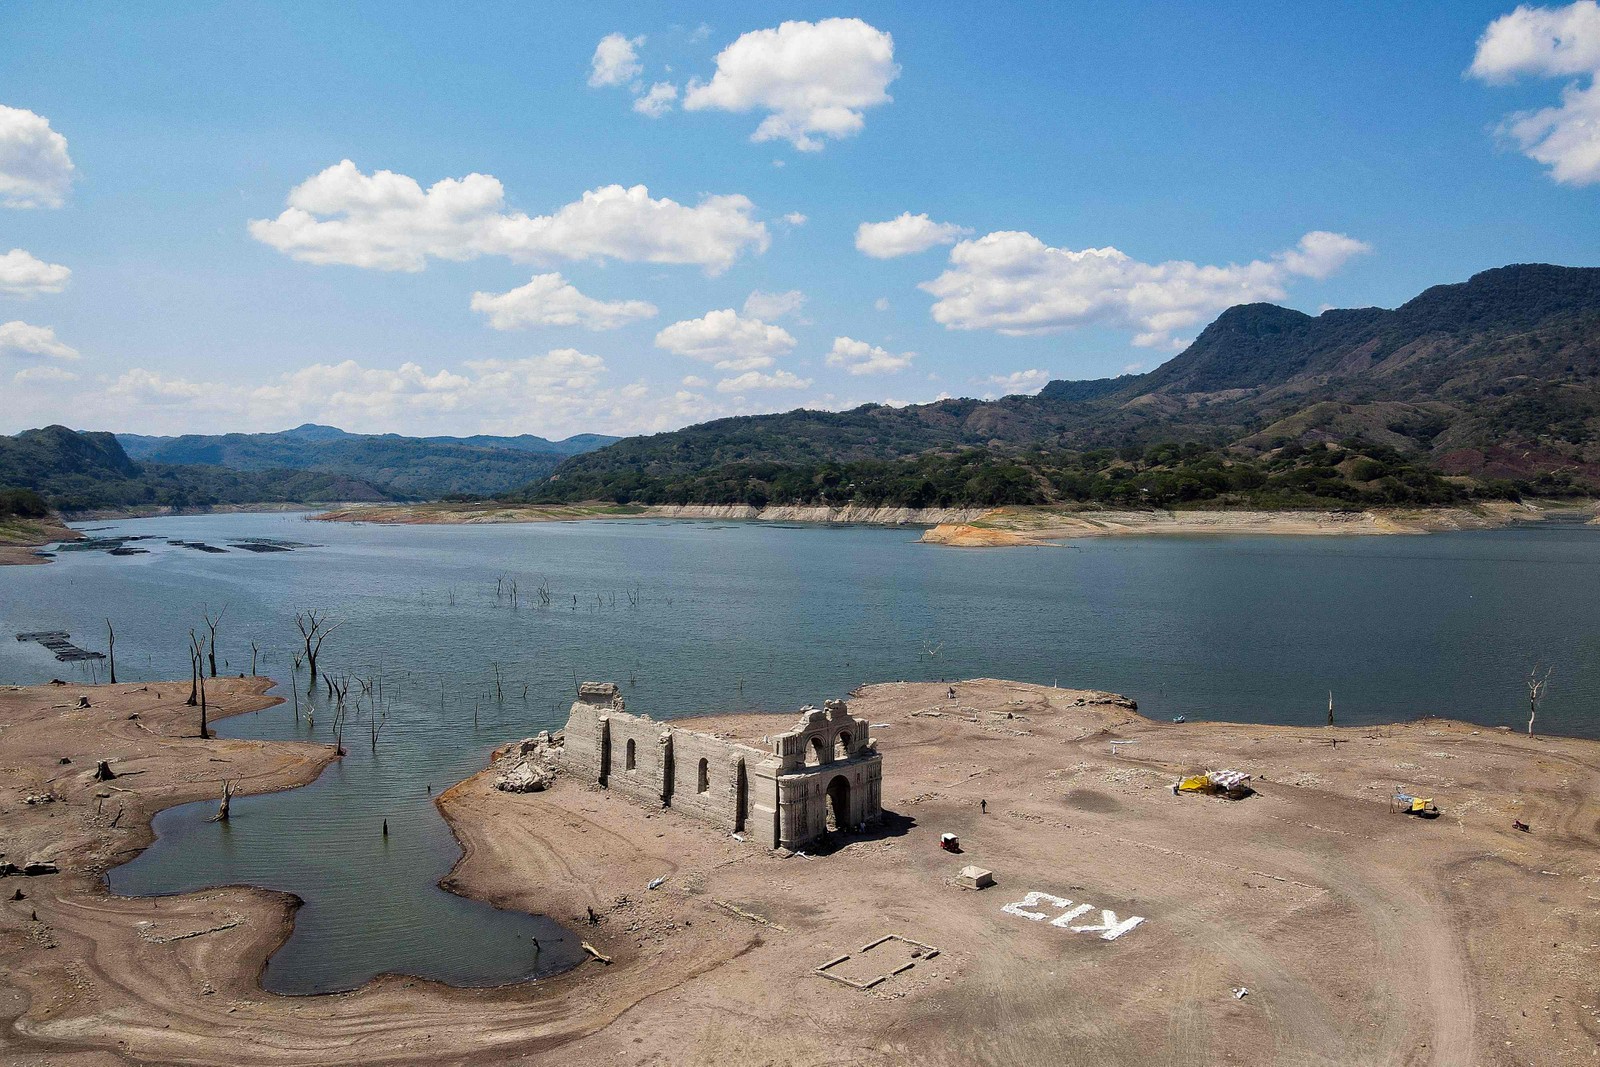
(111, 650)
(222, 808)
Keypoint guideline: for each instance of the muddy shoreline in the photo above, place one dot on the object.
(1371, 938)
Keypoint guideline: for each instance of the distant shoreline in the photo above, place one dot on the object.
(1006, 527)
(440, 514)
(995, 527)
(21, 539)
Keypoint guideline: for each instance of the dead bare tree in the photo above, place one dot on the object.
(338, 689)
(211, 625)
(196, 647)
(111, 650)
(314, 626)
(254, 652)
(376, 722)
(1536, 683)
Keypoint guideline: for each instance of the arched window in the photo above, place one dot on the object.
(818, 751)
(705, 776)
(841, 748)
(630, 764)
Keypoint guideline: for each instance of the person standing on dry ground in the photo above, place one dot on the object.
(983, 807)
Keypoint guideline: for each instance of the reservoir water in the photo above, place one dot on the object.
(701, 617)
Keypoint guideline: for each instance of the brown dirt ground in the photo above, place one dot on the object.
(1364, 937)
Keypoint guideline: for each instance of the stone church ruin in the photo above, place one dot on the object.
(825, 774)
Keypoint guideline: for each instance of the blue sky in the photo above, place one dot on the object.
(1214, 135)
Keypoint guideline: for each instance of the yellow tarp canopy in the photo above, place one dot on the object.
(1420, 803)
(1194, 783)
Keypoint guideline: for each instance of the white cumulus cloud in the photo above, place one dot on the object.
(754, 380)
(814, 79)
(730, 341)
(616, 60)
(657, 100)
(762, 305)
(23, 275)
(43, 372)
(555, 386)
(1022, 381)
(35, 170)
(1014, 283)
(551, 300)
(1543, 42)
(1546, 42)
(387, 221)
(858, 357)
(20, 339)
(905, 235)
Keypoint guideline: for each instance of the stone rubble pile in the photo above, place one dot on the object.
(529, 766)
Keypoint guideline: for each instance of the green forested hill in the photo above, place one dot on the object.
(76, 471)
(1495, 380)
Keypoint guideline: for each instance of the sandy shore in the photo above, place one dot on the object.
(1363, 936)
(1007, 527)
(19, 538)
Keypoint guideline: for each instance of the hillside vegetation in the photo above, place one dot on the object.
(74, 471)
(420, 467)
(1489, 387)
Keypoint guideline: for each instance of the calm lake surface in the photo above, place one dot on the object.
(700, 617)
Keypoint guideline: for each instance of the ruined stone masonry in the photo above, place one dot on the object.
(824, 774)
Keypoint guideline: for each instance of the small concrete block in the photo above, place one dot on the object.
(974, 877)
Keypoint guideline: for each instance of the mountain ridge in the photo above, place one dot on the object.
(1494, 378)
(427, 467)
(76, 471)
